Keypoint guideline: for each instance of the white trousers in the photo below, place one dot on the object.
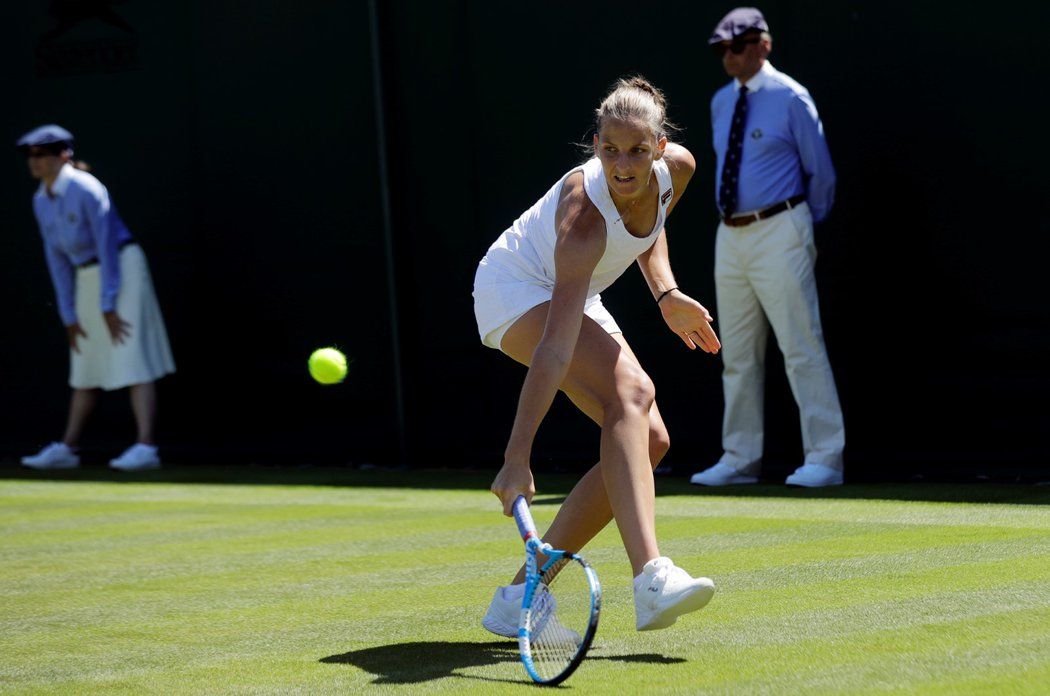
(764, 277)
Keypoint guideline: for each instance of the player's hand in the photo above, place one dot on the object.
(118, 328)
(513, 479)
(690, 321)
(72, 331)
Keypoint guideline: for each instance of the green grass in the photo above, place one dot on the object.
(248, 580)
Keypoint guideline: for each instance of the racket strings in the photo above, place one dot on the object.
(558, 618)
(554, 645)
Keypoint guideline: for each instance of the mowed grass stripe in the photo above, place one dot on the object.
(248, 589)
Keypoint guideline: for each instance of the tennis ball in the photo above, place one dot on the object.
(327, 365)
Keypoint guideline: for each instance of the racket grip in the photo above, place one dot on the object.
(524, 518)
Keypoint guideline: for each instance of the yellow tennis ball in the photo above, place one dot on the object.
(327, 365)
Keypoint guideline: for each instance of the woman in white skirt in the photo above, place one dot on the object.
(536, 298)
(105, 298)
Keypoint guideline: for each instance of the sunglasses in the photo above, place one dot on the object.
(737, 46)
(36, 154)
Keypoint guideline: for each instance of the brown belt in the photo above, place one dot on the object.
(93, 261)
(745, 220)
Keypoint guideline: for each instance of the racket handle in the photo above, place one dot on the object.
(524, 518)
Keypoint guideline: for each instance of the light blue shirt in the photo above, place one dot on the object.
(784, 152)
(79, 225)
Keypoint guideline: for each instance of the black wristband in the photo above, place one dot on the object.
(665, 293)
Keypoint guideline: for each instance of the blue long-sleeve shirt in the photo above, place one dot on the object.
(784, 152)
(79, 224)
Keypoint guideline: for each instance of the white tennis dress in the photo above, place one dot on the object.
(517, 272)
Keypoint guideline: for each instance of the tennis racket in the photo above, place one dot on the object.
(559, 612)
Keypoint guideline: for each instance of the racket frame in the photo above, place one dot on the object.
(533, 576)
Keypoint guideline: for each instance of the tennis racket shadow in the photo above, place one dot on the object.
(423, 661)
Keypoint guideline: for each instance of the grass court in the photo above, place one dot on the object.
(252, 580)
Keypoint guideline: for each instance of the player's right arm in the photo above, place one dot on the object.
(580, 245)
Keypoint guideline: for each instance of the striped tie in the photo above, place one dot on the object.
(727, 192)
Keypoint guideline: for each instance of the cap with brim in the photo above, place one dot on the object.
(738, 22)
(45, 135)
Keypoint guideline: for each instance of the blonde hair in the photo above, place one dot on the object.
(635, 99)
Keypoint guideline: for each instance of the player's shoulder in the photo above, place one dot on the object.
(578, 218)
(574, 200)
(679, 160)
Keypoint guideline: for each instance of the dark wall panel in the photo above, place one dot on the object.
(240, 147)
(239, 142)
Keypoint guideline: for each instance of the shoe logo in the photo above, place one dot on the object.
(653, 589)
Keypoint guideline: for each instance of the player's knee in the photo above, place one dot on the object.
(659, 443)
(635, 390)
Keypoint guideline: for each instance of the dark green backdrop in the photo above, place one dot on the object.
(239, 142)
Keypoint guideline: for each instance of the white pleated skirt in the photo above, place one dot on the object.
(145, 355)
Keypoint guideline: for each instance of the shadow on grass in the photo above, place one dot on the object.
(417, 662)
(553, 486)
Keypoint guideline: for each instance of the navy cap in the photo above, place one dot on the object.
(45, 135)
(737, 22)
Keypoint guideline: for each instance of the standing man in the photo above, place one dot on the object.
(774, 178)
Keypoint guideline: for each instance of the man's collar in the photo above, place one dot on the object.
(58, 188)
(758, 80)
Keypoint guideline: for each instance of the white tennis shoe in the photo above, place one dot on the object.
(57, 455)
(138, 457)
(663, 592)
(505, 611)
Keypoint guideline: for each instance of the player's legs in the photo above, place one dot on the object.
(586, 511)
(619, 395)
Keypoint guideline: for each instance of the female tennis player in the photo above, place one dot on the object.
(536, 298)
(105, 299)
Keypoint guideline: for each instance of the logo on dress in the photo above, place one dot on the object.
(756, 134)
(72, 218)
(665, 196)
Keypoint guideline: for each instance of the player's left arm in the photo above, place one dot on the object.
(686, 317)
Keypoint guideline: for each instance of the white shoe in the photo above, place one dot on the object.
(57, 455)
(663, 592)
(138, 457)
(815, 476)
(504, 613)
(721, 475)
